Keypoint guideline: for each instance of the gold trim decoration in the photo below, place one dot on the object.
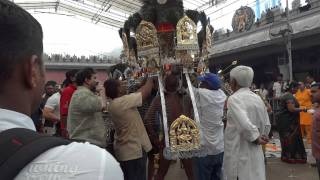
(185, 59)
(151, 64)
(208, 38)
(148, 47)
(146, 36)
(184, 135)
(187, 38)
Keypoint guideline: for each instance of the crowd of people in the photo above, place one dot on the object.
(292, 106)
(73, 111)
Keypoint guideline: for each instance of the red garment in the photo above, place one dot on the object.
(64, 106)
(316, 135)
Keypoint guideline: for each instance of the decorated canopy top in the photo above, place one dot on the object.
(165, 33)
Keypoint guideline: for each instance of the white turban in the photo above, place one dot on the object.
(243, 75)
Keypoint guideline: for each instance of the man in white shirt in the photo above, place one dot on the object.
(247, 129)
(51, 113)
(278, 87)
(22, 76)
(210, 101)
(263, 91)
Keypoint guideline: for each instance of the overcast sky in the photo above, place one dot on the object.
(63, 34)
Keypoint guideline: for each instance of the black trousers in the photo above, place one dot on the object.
(318, 167)
(134, 169)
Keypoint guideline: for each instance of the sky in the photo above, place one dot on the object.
(71, 35)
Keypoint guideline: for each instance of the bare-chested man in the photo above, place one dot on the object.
(174, 107)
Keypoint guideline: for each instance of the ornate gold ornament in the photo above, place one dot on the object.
(147, 40)
(151, 64)
(208, 37)
(184, 135)
(187, 38)
(148, 47)
(184, 58)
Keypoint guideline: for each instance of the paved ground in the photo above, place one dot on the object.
(276, 170)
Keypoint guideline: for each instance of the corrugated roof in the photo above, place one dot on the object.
(109, 12)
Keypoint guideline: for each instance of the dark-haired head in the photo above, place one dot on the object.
(293, 87)
(51, 83)
(21, 66)
(171, 83)
(84, 74)
(315, 92)
(50, 87)
(87, 77)
(112, 88)
(70, 77)
(21, 38)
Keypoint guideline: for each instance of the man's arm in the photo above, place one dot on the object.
(134, 100)
(48, 111)
(146, 89)
(292, 107)
(240, 117)
(48, 114)
(150, 119)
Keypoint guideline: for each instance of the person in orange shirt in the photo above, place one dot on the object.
(304, 98)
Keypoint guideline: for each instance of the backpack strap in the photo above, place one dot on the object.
(19, 146)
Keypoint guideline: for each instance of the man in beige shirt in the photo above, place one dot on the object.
(131, 138)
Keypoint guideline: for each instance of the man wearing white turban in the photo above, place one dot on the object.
(247, 129)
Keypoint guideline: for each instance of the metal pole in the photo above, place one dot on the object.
(288, 42)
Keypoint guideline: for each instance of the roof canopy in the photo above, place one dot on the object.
(109, 12)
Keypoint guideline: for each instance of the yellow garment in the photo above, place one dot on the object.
(304, 99)
(306, 132)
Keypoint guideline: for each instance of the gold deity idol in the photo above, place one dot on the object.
(184, 135)
(147, 40)
(187, 38)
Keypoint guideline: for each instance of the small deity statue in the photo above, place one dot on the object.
(186, 31)
(183, 133)
(242, 20)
